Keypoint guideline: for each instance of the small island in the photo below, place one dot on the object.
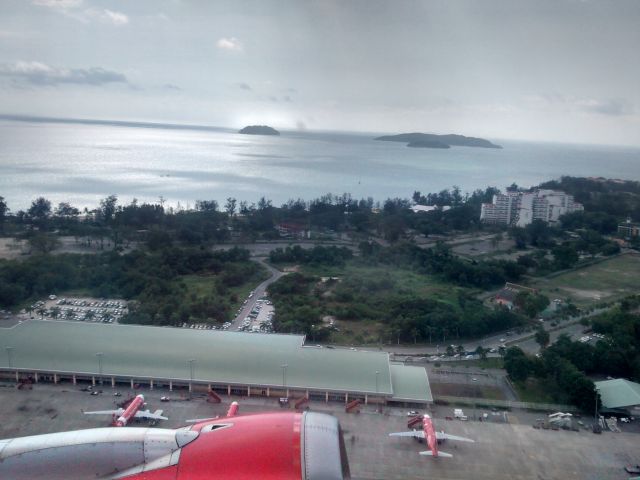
(427, 144)
(430, 140)
(259, 130)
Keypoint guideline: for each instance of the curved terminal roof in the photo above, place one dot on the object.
(219, 357)
(410, 384)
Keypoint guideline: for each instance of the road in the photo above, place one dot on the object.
(524, 341)
(258, 292)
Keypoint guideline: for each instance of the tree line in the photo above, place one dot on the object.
(155, 280)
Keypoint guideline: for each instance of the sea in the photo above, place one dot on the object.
(83, 162)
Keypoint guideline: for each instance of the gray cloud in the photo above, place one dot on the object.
(37, 73)
(244, 86)
(171, 86)
(58, 3)
(614, 107)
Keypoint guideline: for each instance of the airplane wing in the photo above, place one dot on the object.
(446, 436)
(415, 434)
(106, 412)
(440, 454)
(150, 416)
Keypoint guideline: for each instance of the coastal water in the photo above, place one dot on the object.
(82, 163)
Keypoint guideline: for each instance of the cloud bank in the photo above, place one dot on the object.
(41, 74)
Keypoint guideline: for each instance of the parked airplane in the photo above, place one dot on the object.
(428, 432)
(282, 445)
(132, 411)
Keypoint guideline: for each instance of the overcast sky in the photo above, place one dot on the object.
(557, 70)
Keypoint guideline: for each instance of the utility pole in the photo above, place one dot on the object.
(191, 362)
(284, 375)
(10, 356)
(99, 355)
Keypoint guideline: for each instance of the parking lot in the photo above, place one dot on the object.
(255, 315)
(506, 445)
(82, 309)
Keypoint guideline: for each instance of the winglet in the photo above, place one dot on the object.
(429, 453)
(233, 409)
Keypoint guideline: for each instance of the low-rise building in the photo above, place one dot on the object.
(629, 230)
(620, 394)
(229, 363)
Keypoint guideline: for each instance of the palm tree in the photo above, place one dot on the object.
(55, 312)
(88, 316)
(68, 314)
(481, 352)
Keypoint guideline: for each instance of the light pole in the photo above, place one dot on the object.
(284, 375)
(99, 355)
(377, 374)
(10, 356)
(191, 362)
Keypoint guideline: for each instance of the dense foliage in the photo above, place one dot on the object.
(317, 255)
(302, 301)
(553, 368)
(154, 279)
(441, 262)
(606, 201)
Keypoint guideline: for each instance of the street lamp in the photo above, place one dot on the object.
(99, 355)
(10, 356)
(284, 374)
(191, 362)
(377, 373)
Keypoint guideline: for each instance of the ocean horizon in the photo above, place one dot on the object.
(82, 161)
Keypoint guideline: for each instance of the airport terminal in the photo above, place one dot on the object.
(229, 363)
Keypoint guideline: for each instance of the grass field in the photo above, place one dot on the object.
(536, 391)
(463, 390)
(403, 280)
(202, 285)
(604, 281)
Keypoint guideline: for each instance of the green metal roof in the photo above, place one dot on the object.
(220, 357)
(618, 393)
(410, 383)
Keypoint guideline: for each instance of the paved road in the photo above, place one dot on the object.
(524, 341)
(258, 292)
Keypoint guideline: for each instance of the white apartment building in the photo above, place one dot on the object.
(520, 208)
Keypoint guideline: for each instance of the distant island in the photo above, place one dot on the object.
(430, 140)
(259, 130)
(427, 144)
